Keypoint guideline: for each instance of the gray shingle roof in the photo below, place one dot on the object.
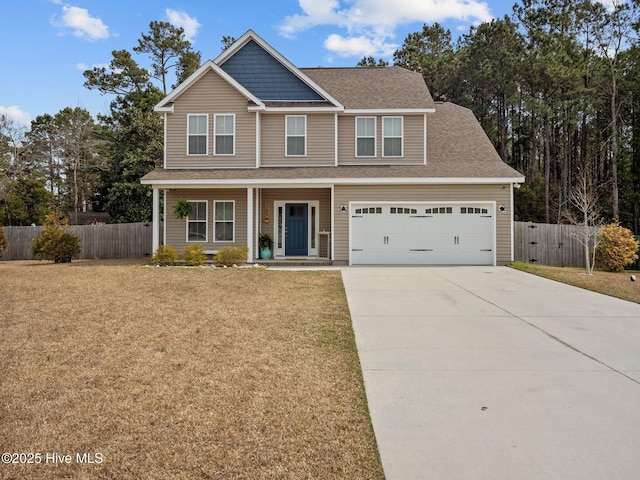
(373, 87)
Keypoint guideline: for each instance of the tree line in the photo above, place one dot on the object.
(556, 86)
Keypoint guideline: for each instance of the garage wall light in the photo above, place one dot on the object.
(343, 208)
(502, 208)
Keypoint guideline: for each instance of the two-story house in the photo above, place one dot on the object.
(353, 165)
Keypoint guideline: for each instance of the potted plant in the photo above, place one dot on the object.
(182, 209)
(265, 244)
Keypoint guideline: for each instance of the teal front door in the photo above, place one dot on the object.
(296, 229)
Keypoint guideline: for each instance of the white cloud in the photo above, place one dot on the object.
(183, 20)
(371, 24)
(358, 46)
(13, 113)
(83, 66)
(81, 23)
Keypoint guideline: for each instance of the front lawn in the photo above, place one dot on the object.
(615, 284)
(180, 373)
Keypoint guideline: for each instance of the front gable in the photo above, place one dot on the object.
(264, 76)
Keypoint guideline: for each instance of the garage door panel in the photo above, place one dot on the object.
(422, 234)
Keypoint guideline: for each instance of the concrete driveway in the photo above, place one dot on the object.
(491, 373)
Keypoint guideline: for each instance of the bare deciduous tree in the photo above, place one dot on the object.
(585, 219)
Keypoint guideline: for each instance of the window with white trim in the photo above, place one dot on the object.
(225, 127)
(223, 221)
(392, 136)
(197, 128)
(197, 222)
(365, 136)
(296, 133)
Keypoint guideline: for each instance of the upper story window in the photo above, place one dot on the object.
(197, 128)
(223, 221)
(225, 126)
(197, 222)
(392, 137)
(296, 133)
(365, 136)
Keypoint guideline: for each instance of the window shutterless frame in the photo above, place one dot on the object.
(224, 137)
(197, 134)
(392, 137)
(224, 220)
(198, 222)
(295, 135)
(366, 136)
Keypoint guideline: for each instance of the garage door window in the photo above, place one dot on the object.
(439, 210)
(369, 210)
(474, 210)
(405, 211)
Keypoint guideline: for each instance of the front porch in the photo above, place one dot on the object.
(299, 221)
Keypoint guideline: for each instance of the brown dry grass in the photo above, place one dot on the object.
(181, 373)
(614, 284)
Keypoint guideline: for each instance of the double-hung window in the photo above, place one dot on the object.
(392, 137)
(224, 134)
(296, 132)
(197, 127)
(365, 136)
(197, 222)
(223, 221)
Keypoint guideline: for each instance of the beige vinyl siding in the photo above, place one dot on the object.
(211, 95)
(413, 141)
(320, 141)
(176, 229)
(420, 193)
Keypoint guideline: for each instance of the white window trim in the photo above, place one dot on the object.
(206, 223)
(234, 221)
(206, 135)
(375, 145)
(286, 134)
(401, 137)
(215, 134)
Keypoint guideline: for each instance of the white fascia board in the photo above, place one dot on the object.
(166, 105)
(388, 111)
(308, 182)
(251, 35)
(309, 110)
(164, 109)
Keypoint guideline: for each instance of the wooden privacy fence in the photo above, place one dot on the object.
(119, 240)
(547, 244)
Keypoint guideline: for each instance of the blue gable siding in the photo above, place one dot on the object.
(265, 77)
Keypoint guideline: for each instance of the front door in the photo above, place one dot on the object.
(296, 229)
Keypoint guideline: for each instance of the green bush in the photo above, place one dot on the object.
(4, 244)
(229, 256)
(616, 247)
(194, 255)
(165, 255)
(56, 243)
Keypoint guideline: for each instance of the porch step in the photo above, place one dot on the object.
(293, 262)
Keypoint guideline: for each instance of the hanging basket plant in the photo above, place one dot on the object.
(182, 209)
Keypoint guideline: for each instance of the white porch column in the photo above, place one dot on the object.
(250, 234)
(155, 221)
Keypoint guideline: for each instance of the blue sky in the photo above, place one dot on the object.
(47, 44)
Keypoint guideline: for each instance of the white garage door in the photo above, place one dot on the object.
(422, 234)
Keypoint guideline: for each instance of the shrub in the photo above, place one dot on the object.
(165, 255)
(616, 247)
(56, 243)
(229, 256)
(194, 255)
(4, 244)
